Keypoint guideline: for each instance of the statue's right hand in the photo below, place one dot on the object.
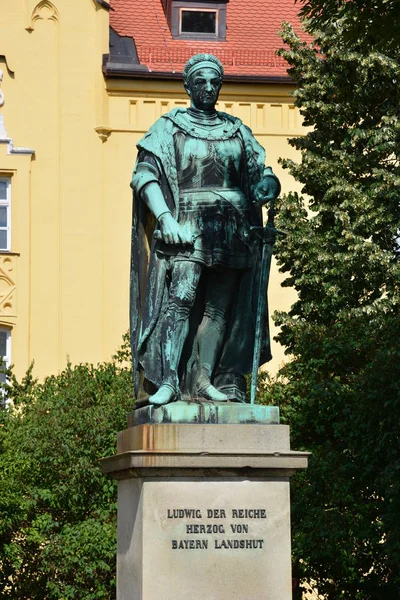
(172, 232)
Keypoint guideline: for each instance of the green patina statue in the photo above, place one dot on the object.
(199, 183)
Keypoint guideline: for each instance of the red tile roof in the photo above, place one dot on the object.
(251, 39)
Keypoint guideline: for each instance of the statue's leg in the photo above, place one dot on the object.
(219, 293)
(184, 281)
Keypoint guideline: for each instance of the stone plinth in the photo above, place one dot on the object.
(222, 413)
(204, 511)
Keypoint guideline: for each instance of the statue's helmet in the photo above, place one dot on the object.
(201, 61)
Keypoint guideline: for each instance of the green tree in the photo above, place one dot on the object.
(340, 390)
(57, 511)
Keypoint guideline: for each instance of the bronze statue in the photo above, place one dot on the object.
(199, 183)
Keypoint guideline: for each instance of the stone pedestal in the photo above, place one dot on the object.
(204, 509)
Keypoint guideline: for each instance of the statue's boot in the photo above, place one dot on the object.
(207, 391)
(210, 338)
(165, 394)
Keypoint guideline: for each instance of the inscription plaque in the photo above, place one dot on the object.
(230, 533)
(208, 539)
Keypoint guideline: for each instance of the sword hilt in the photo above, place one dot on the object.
(267, 234)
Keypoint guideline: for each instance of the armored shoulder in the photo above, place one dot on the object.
(157, 135)
(227, 117)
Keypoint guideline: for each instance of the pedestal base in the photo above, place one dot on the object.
(204, 511)
(222, 413)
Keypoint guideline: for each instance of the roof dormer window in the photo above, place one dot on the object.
(198, 20)
(192, 20)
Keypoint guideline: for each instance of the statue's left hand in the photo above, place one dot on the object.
(266, 190)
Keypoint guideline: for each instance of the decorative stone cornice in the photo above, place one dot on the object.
(43, 11)
(103, 132)
(18, 149)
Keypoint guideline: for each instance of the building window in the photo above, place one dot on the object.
(5, 214)
(5, 351)
(198, 20)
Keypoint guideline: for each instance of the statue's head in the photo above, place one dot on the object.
(202, 78)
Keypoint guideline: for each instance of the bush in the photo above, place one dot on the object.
(57, 511)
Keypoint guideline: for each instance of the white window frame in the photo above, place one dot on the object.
(175, 19)
(7, 361)
(7, 204)
(198, 9)
(7, 331)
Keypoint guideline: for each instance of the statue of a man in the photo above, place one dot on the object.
(199, 183)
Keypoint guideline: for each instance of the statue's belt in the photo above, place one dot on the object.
(199, 198)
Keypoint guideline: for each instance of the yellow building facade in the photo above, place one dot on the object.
(67, 149)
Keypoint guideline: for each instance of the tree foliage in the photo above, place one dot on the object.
(341, 388)
(57, 511)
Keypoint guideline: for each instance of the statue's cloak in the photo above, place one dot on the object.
(149, 280)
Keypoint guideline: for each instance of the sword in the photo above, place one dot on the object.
(267, 236)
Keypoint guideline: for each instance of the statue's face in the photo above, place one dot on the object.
(203, 88)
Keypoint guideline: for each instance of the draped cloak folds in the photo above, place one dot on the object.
(150, 276)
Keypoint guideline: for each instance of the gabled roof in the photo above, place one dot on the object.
(251, 39)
